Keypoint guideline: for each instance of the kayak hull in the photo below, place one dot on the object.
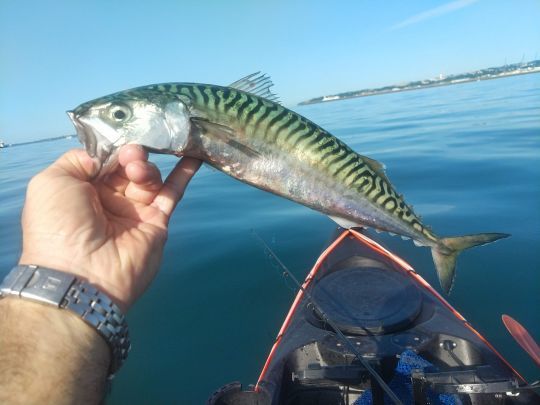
(406, 330)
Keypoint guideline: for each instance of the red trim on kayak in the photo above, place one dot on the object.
(406, 266)
(396, 259)
(296, 302)
(375, 246)
(428, 287)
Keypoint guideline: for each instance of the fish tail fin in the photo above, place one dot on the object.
(447, 250)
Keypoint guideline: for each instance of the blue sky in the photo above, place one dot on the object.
(56, 54)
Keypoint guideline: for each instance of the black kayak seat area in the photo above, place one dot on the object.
(370, 300)
(405, 332)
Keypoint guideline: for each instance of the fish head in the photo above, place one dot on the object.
(143, 116)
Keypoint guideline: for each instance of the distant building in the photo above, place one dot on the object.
(330, 98)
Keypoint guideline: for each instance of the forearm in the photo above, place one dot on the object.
(49, 356)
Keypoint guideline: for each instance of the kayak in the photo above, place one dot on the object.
(365, 323)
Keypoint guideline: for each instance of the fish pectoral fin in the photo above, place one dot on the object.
(376, 166)
(257, 84)
(209, 127)
(223, 133)
(344, 223)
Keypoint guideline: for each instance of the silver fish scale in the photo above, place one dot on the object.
(274, 133)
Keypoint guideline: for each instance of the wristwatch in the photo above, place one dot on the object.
(65, 291)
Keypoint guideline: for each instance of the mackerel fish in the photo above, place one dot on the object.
(244, 132)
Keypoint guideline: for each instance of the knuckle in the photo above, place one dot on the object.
(34, 182)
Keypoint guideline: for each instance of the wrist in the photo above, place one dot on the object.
(80, 269)
(65, 292)
(42, 344)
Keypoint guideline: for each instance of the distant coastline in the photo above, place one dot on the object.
(483, 74)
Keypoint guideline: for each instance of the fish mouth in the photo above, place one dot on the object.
(87, 138)
(96, 145)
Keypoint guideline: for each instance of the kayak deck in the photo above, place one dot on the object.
(422, 347)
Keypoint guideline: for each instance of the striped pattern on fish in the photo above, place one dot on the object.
(258, 141)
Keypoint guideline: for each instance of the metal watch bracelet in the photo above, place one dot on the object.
(65, 291)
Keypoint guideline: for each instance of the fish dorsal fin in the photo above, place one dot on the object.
(376, 166)
(224, 134)
(257, 84)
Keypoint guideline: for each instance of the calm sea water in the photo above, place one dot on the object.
(467, 157)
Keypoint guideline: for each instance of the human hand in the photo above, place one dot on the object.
(110, 231)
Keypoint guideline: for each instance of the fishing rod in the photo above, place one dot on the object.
(326, 319)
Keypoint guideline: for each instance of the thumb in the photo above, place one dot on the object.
(75, 163)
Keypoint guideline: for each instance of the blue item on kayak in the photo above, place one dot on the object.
(401, 383)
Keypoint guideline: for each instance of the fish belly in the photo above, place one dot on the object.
(281, 173)
(273, 148)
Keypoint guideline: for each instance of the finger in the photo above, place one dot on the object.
(175, 185)
(116, 204)
(144, 182)
(119, 179)
(140, 173)
(120, 208)
(76, 163)
(131, 153)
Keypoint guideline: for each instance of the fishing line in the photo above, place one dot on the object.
(274, 265)
(284, 276)
(325, 317)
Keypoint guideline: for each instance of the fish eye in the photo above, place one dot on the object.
(120, 112)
